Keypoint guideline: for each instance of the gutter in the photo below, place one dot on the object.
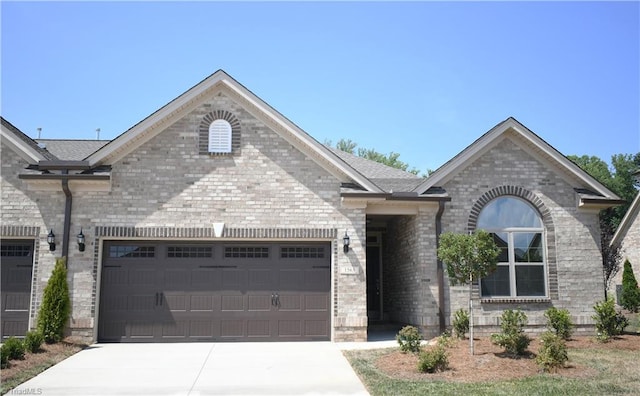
(67, 217)
(440, 270)
(396, 197)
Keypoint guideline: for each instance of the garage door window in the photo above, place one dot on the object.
(189, 252)
(302, 252)
(246, 252)
(132, 251)
(15, 251)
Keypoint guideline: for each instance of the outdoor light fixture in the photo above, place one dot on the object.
(80, 237)
(345, 242)
(51, 240)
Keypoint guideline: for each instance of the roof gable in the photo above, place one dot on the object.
(632, 215)
(22, 144)
(534, 145)
(195, 96)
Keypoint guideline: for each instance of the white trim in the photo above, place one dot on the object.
(220, 81)
(493, 136)
(627, 220)
(21, 148)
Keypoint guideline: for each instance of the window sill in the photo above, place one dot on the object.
(516, 300)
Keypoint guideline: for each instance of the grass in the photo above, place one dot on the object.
(617, 373)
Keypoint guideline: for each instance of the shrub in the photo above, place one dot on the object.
(4, 359)
(13, 348)
(559, 322)
(512, 338)
(461, 323)
(609, 323)
(432, 360)
(553, 353)
(32, 341)
(56, 306)
(445, 340)
(409, 339)
(630, 296)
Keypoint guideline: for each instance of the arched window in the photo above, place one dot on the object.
(220, 136)
(518, 231)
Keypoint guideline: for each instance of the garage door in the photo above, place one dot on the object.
(16, 261)
(177, 292)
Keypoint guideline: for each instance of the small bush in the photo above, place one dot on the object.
(461, 323)
(553, 353)
(445, 340)
(432, 360)
(409, 339)
(559, 322)
(609, 323)
(512, 338)
(56, 305)
(4, 359)
(32, 341)
(630, 296)
(13, 348)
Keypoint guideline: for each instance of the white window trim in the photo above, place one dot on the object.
(512, 264)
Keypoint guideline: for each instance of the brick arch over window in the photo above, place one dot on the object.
(547, 222)
(203, 131)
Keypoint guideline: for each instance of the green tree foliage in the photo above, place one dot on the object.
(630, 296)
(609, 323)
(468, 257)
(392, 159)
(56, 305)
(512, 337)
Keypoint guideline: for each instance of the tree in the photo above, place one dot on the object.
(392, 159)
(630, 296)
(56, 305)
(611, 254)
(468, 257)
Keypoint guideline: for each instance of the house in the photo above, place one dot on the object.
(216, 218)
(627, 239)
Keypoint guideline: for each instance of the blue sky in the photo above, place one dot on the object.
(423, 79)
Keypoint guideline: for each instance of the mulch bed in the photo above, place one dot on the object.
(489, 363)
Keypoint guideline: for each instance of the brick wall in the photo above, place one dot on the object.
(166, 182)
(575, 237)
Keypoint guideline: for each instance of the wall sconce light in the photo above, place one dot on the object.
(345, 242)
(80, 238)
(51, 240)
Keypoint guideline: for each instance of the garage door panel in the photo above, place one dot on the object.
(259, 302)
(16, 262)
(232, 328)
(214, 292)
(201, 303)
(232, 303)
(317, 303)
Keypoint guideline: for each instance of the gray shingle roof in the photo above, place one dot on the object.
(387, 178)
(72, 150)
(32, 143)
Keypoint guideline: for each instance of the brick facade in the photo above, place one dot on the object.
(168, 187)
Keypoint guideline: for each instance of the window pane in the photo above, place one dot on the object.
(505, 212)
(496, 284)
(528, 247)
(530, 280)
(502, 241)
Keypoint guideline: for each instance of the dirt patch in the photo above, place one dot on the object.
(49, 355)
(489, 363)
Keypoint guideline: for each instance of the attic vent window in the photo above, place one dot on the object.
(220, 136)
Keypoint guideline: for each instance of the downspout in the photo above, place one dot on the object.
(440, 270)
(67, 216)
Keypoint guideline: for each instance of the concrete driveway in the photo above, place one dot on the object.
(295, 368)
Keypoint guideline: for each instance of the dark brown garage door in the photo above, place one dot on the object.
(16, 261)
(177, 292)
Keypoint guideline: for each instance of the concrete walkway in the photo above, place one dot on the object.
(294, 368)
